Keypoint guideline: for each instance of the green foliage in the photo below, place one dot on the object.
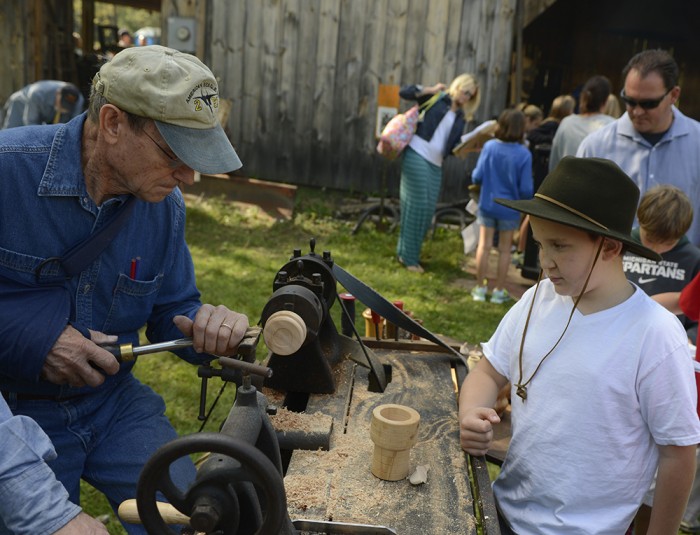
(107, 14)
(237, 252)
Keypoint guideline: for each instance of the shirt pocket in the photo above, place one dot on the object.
(132, 304)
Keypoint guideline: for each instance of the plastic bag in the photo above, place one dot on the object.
(470, 233)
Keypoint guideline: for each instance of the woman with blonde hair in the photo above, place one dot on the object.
(439, 131)
(613, 108)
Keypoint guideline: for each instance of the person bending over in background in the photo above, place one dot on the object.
(43, 102)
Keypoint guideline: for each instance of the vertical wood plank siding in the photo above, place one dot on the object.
(17, 57)
(303, 77)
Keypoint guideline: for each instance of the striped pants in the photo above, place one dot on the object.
(419, 192)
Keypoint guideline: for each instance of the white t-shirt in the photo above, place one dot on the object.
(432, 150)
(571, 132)
(584, 444)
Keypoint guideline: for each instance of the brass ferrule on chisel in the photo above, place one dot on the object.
(126, 352)
(129, 352)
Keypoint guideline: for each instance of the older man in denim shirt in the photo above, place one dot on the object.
(151, 121)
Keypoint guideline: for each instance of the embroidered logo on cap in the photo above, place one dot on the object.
(208, 96)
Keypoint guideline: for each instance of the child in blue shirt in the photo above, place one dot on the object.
(504, 170)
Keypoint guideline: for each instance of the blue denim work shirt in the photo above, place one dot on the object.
(46, 210)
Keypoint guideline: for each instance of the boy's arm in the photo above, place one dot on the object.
(476, 415)
(673, 482)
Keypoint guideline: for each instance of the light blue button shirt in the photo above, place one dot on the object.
(31, 499)
(675, 159)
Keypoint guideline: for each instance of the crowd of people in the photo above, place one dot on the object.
(596, 358)
(601, 370)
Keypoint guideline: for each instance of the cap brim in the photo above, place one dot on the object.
(545, 210)
(208, 151)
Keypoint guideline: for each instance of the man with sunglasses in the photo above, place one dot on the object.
(654, 143)
(151, 122)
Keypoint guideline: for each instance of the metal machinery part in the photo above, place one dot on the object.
(213, 502)
(306, 286)
(239, 488)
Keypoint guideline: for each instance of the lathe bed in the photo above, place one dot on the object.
(337, 484)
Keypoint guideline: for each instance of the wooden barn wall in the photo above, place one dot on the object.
(303, 76)
(36, 37)
(14, 62)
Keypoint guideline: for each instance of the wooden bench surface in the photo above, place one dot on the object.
(338, 485)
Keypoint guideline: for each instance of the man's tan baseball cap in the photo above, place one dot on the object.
(180, 94)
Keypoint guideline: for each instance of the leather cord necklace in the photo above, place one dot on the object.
(520, 387)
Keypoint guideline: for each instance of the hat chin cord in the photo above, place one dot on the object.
(521, 388)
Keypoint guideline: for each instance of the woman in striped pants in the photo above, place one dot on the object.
(438, 132)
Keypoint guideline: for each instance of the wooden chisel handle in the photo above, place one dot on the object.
(128, 512)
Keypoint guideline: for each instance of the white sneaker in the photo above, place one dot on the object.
(479, 292)
(500, 296)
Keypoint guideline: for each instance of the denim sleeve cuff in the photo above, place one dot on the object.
(32, 500)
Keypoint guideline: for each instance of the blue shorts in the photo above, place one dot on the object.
(498, 224)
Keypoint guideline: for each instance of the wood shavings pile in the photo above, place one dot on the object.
(286, 420)
(338, 485)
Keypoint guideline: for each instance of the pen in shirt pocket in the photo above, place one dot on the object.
(134, 270)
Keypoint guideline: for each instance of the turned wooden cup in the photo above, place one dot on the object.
(393, 429)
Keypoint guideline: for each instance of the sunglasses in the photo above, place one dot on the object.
(648, 104)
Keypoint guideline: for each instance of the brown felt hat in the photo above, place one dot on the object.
(590, 194)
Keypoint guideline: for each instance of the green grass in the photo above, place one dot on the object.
(237, 251)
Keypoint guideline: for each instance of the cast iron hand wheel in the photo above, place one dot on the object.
(156, 477)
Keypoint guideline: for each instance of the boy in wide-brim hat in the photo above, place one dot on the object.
(603, 386)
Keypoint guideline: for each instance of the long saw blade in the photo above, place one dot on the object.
(383, 307)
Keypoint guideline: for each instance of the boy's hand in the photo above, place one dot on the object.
(476, 430)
